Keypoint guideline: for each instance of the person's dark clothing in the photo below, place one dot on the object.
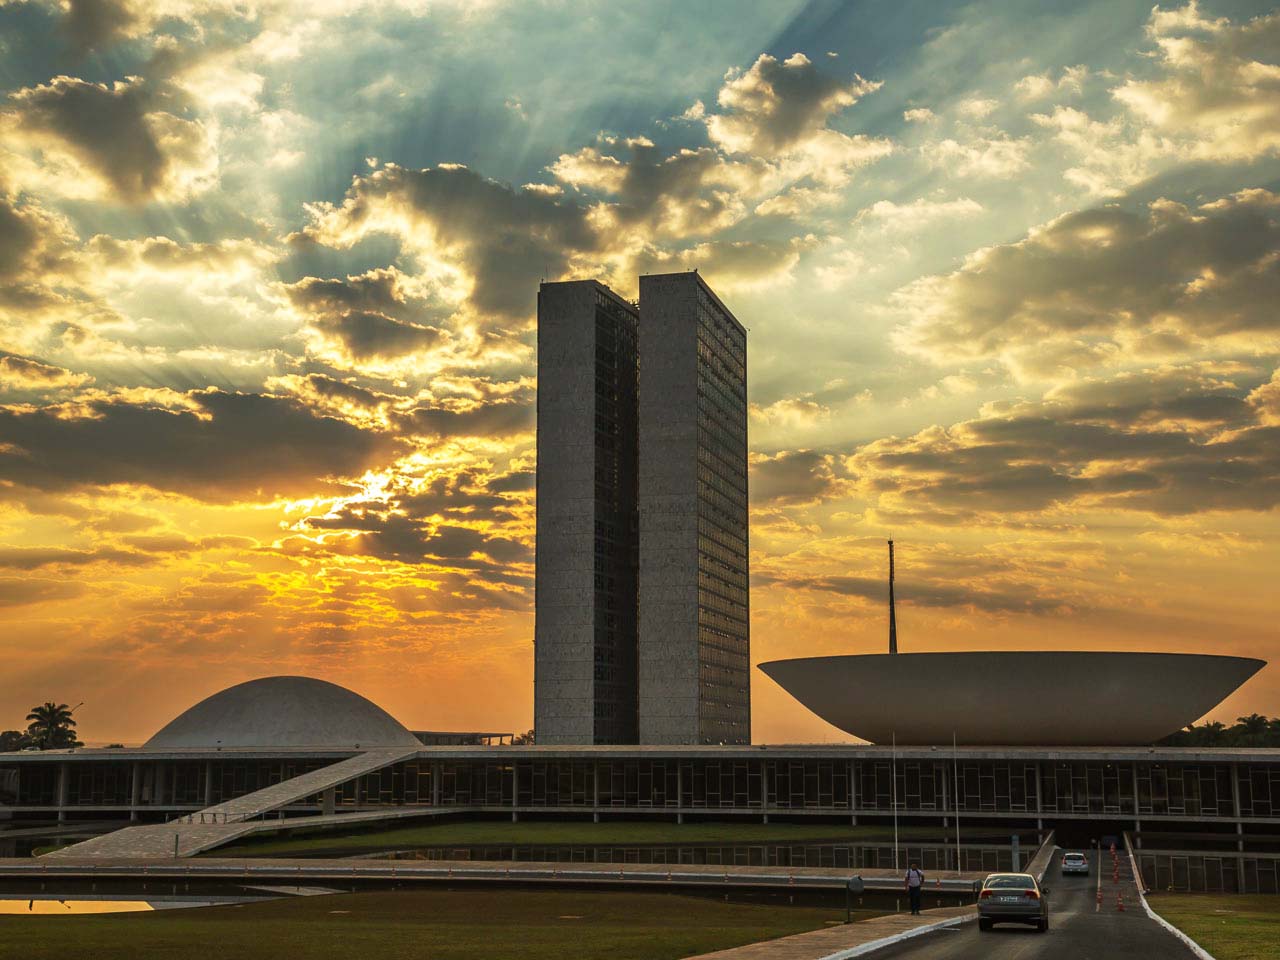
(915, 884)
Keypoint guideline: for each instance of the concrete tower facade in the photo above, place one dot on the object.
(585, 644)
(694, 636)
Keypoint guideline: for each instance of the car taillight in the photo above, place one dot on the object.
(1032, 894)
(984, 894)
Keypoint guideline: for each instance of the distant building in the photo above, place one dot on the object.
(694, 638)
(585, 687)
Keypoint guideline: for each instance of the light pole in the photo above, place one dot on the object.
(955, 765)
(893, 793)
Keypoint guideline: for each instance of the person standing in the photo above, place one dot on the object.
(914, 882)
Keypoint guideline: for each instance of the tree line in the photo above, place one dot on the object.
(1254, 730)
(50, 726)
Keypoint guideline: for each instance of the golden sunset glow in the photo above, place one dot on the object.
(267, 300)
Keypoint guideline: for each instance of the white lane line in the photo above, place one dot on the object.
(1097, 905)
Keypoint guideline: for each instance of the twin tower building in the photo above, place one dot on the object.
(642, 629)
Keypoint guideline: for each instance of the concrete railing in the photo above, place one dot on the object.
(293, 871)
(1043, 857)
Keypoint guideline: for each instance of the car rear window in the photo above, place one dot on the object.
(1010, 882)
(1075, 857)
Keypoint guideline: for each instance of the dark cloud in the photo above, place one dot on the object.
(776, 104)
(380, 291)
(368, 335)
(33, 558)
(1099, 281)
(123, 133)
(23, 591)
(25, 373)
(1091, 445)
(411, 541)
(497, 418)
(515, 482)
(95, 24)
(687, 193)
(501, 238)
(921, 592)
(798, 476)
(36, 254)
(230, 446)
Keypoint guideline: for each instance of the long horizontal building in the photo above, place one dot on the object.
(1176, 784)
(290, 748)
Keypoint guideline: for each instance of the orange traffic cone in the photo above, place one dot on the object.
(1119, 903)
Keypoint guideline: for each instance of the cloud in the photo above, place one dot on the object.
(794, 477)
(924, 591)
(1221, 83)
(37, 252)
(775, 105)
(1167, 441)
(463, 418)
(887, 216)
(219, 447)
(132, 148)
(1111, 155)
(790, 412)
(1041, 85)
(1266, 400)
(23, 373)
(373, 315)
(479, 241)
(995, 157)
(370, 335)
(781, 109)
(919, 115)
(1156, 280)
(33, 558)
(25, 591)
(976, 108)
(687, 193)
(95, 24)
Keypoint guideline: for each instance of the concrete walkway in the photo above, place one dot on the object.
(844, 940)
(223, 822)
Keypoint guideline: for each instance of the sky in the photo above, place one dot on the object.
(268, 274)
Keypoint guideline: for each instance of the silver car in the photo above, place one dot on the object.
(1013, 898)
(1074, 863)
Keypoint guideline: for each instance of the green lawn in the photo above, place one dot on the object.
(480, 924)
(538, 833)
(1230, 927)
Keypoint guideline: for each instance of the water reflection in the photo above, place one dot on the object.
(45, 905)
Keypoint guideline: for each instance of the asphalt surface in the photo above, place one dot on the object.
(1079, 929)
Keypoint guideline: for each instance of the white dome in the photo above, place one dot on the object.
(284, 712)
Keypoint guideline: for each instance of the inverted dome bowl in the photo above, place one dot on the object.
(1012, 698)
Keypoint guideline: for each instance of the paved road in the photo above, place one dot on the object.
(1078, 928)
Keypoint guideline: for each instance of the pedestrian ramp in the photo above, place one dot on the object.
(223, 822)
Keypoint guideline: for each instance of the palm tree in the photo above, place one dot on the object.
(52, 726)
(1212, 733)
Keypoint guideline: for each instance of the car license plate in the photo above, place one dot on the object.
(1010, 899)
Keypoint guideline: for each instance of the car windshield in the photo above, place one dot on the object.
(1010, 881)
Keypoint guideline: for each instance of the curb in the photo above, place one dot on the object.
(1195, 948)
(866, 948)
(1200, 952)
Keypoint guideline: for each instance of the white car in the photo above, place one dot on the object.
(1074, 863)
